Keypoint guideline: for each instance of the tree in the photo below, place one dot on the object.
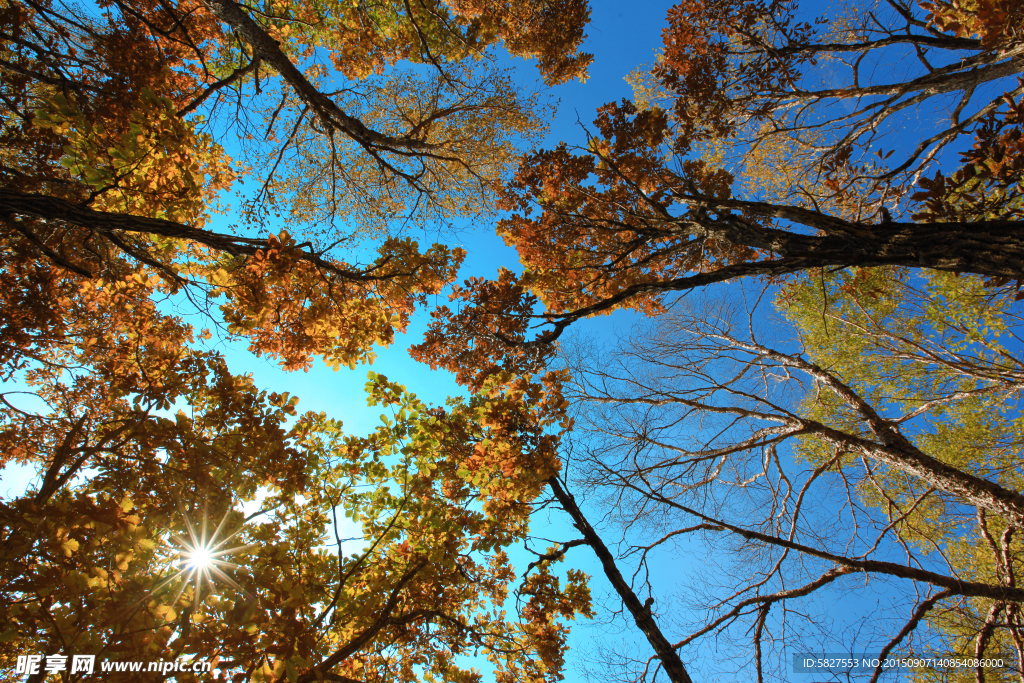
(767, 77)
(791, 471)
(101, 112)
(118, 122)
(633, 216)
(90, 567)
(961, 415)
(645, 209)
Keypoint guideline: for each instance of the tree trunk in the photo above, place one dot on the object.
(641, 613)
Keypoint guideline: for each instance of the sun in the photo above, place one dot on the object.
(202, 559)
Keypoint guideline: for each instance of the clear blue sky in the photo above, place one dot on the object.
(621, 37)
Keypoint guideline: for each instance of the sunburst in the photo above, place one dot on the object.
(201, 559)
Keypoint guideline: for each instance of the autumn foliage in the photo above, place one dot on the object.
(175, 172)
(647, 204)
(116, 197)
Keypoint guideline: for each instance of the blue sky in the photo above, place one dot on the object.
(621, 37)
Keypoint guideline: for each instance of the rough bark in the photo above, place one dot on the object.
(990, 248)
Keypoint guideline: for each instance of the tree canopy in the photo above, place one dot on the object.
(668, 194)
(171, 171)
(127, 128)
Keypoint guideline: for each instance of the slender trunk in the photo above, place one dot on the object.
(990, 67)
(894, 449)
(13, 203)
(641, 613)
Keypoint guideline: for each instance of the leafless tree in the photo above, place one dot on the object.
(779, 486)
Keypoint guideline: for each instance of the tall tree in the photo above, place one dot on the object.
(117, 125)
(638, 213)
(110, 119)
(129, 494)
(651, 205)
(766, 79)
(877, 329)
(882, 443)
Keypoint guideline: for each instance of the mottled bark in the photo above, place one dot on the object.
(960, 75)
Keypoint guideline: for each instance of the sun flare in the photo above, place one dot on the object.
(202, 559)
